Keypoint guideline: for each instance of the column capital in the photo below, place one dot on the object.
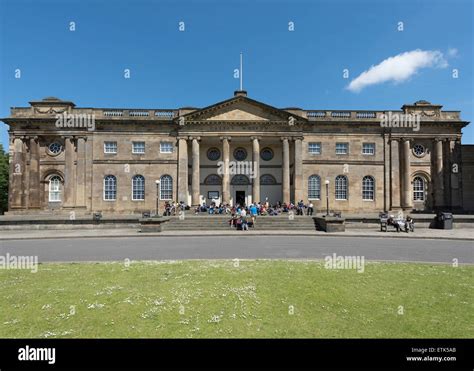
(194, 138)
(255, 137)
(284, 138)
(181, 137)
(298, 138)
(226, 137)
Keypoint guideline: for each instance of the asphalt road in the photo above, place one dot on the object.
(243, 247)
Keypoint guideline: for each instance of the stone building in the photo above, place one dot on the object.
(239, 150)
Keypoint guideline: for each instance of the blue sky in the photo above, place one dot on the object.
(171, 69)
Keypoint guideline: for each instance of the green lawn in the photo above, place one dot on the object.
(253, 299)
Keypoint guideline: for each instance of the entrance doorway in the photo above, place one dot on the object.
(240, 197)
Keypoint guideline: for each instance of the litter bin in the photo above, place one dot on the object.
(444, 220)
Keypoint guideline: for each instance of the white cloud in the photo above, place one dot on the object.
(398, 68)
(452, 52)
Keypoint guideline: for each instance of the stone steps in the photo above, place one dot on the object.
(219, 222)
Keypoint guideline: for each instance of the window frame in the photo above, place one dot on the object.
(133, 148)
(364, 191)
(373, 148)
(337, 188)
(110, 142)
(167, 143)
(105, 190)
(346, 144)
(319, 148)
(318, 191)
(170, 182)
(134, 185)
(57, 191)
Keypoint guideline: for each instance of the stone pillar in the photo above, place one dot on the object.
(182, 169)
(438, 181)
(406, 188)
(69, 173)
(34, 174)
(196, 174)
(386, 172)
(298, 177)
(256, 169)
(455, 174)
(17, 173)
(286, 170)
(395, 190)
(81, 172)
(225, 175)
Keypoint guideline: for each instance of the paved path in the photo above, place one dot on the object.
(424, 233)
(241, 246)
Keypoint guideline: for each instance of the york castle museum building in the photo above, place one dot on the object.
(240, 150)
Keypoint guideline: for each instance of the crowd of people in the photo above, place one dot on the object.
(242, 217)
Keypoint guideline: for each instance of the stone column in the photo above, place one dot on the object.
(81, 172)
(226, 175)
(34, 174)
(438, 181)
(196, 175)
(298, 177)
(406, 189)
(256, 169)
(69, 173)
(17, 173)
(455, 174)
(182, 169)
(395, 189)
(286, 170)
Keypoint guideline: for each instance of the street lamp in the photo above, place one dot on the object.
(327, 197)
(157, 197)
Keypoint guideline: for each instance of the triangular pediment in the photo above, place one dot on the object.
(239, 109)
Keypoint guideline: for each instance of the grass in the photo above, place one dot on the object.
(220, 299)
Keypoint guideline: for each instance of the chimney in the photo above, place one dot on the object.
(240, 93)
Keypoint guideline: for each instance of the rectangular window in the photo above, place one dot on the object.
(342, 148)
(368, 148)
(110, 147)
(166, 147)
(314, 148)
(138, 147)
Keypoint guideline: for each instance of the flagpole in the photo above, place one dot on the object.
(241, 72)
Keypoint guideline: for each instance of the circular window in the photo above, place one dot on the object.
(55, 148)
(213, 154)
(240, 154)
(418, 150)
(266, 154)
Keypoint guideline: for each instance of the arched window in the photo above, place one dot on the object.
(55, 189)
(368, 188)
(166, 187)
(213, 179)
(240, 180)
(138, 188)
(110, 188)
(267, 179)
(419, 188)
(314, 187)
(341, 187)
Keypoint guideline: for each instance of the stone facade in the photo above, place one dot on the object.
(134, 160)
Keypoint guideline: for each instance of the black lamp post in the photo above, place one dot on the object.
(327, 197)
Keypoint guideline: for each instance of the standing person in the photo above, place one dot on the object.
(245, 226)
(310, 208)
